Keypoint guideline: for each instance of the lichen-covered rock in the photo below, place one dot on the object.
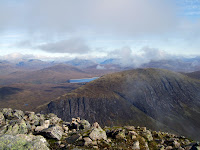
(23, 142)
(146, 146)
(169, 147)
(84, 124)
(176, 144)
(22, 127)
(17, 127)
(18, 113)
(2, 119)
(7, 112)
(30, 115)
(88, 141)
(132, 133)
(131, 128)
(121, 135)
(44, 125)
(65, 128)
(3, 129)
(54, 132)
(97, 133)
(147, 134)
(136, 145)
(53, 119)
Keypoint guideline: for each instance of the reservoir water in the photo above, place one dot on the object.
(82, 80)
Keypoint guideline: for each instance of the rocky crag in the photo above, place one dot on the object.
(27, 130)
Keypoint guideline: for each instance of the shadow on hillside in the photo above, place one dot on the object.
(7, 91)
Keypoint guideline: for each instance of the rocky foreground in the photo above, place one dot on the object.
(26, 130)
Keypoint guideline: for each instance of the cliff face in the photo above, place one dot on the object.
(158, 99)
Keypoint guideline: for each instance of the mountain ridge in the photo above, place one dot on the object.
(167, 97)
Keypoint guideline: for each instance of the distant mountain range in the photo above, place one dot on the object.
(59, 73)
(176, 64)
(81, 63)
(156, 98)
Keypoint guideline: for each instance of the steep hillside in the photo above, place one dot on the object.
(149, 97)
(195, 75)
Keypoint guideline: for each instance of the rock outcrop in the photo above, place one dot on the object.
(27, 130)
(23, 142)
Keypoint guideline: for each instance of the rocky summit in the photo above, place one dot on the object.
(28, 130)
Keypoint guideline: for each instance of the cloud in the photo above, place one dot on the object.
(51, 20)
(73, 45)
(17, 57)
(127, 57)
(100, 67)
(24, 44)
(66, 16)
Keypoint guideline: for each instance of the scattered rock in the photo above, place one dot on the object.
(196, 146)
(54, 132)
(160, 147)
(2, 119)
(65, 128)
(136, 145)
(22, 141)
(30, 115)
(45, 125)
(18, 113)
(97, 133)
(121, 135)
(17, 129)
(131, 128)
(7, 112)
(146, 147)
(53, 119)
(132, 133)
(147, 134)
(169, 147)
(176, 144)
(88, 141)
(84, 124)
(143, 129)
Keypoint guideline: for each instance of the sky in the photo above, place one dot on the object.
(142, 29)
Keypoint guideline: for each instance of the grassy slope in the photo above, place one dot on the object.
(30, 96)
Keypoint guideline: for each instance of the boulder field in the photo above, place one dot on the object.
(28, 130)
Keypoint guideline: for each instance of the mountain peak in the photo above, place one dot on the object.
(159, 98)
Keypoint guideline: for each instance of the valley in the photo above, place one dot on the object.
(157, 98)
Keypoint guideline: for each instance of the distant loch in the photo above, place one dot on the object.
(83, 80)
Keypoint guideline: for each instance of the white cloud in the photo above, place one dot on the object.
(51, 20)
(100, 67)
(73, 45)
(114, 16)
(127, 57)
